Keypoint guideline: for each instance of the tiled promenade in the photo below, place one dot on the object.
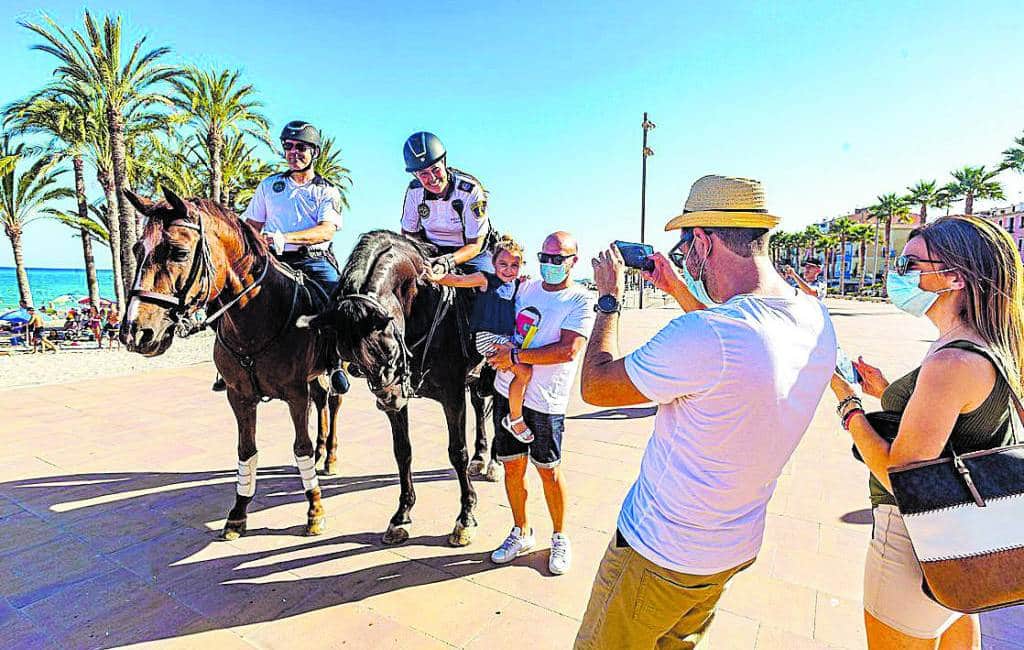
(112, 493)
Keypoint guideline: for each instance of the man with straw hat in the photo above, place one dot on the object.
(736, 380)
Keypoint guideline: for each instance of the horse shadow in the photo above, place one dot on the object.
(110, 559)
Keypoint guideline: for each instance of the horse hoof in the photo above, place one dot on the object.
(315, 526)
(321, 463)
(331, 468)
(233, 530)
(462, 535)
(495, 472)
(395, 535)
(476, 467)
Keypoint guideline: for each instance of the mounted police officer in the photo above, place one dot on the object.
(298, 211)
(446, 207)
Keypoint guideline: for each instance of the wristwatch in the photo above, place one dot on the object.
(608, 304)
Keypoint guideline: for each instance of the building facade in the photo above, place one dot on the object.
(1011, 219)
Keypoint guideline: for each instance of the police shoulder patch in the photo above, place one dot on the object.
(465, 186)
(479, 209)
(278, 186)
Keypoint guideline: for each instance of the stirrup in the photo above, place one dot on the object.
(219, 385)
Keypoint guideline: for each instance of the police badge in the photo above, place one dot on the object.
(278, 186)
(479, 208)
(423, 210)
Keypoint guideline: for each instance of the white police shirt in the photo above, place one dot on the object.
(451, 219)
(281, 204)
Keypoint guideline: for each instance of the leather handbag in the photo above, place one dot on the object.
(965, 516)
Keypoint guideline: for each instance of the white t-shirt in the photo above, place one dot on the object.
(549, 312)
(284, 206)
(736, 387)
(450, 219)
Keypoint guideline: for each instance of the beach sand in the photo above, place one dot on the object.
(86, 361)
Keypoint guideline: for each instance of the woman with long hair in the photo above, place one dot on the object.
(964, 274)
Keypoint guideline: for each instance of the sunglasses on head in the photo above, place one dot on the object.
(553, 258)
(301, 147)
(903, 263)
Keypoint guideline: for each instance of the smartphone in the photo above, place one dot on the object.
(636, 255)
(845, 368)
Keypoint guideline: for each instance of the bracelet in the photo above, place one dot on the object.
(849, 399)
(514, 356)
(852, 406)
(849, 416)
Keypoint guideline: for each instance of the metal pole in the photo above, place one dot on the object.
(646, 125)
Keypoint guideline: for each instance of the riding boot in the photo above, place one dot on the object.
(219, 385)
(339, 381)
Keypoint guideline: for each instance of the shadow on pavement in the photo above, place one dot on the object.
(628, 413)
(109, 559)
(857, 517)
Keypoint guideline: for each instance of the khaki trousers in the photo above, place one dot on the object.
(637, 604)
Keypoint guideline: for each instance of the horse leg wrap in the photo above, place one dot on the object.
(247, 476)
(307, 470)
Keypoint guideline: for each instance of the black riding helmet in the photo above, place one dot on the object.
(301, 132)
(422, 149)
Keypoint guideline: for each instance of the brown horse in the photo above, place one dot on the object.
(194, 255)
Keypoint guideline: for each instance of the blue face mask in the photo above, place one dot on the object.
(697, 286)
(905, 292)
(553, 273)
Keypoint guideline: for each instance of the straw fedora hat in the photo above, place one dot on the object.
(724, 202)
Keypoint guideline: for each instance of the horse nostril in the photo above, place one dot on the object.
(143, 336)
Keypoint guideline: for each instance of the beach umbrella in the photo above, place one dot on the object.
(60, 300)
(15, 316)
(104, 302)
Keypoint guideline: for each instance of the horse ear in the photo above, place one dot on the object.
(179, 204)
(327, 320)
(143, 205)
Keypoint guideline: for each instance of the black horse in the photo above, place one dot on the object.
(402, 332)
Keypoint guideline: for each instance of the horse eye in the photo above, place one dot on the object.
(179, 254)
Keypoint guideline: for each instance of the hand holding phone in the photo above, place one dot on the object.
(846, 369)
(636, 256)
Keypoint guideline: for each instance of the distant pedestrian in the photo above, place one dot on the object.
(737, 380)
(112, 328)
(810, 281)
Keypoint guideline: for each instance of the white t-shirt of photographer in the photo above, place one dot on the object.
(549, 312)
(736, 387)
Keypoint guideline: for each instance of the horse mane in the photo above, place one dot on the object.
(367, 252)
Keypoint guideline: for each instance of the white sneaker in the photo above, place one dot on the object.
(561, 554)
(514, 545)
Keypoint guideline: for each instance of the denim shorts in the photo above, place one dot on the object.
(545, 450)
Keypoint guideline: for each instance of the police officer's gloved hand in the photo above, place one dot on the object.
(442, 265)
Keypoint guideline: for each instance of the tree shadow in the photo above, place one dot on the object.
(109, 559)
(621, 413)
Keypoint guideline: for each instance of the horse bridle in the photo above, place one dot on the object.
(179, 306)
(404, 371)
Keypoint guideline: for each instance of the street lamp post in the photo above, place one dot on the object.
(646, 125)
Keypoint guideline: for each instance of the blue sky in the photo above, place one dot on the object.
(830, 104)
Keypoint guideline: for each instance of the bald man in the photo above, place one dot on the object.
(554, 316)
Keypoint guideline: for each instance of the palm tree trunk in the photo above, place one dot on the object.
(863, 263)
(24, 290)
(842, 266)
(969, 203)
(83, 214)
(125, 213)
(114, 227)
(888, 243)
(924, 213)
(874, 278)
(214, 144)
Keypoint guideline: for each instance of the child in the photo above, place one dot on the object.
(493, 321)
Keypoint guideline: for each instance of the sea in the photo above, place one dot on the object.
(47, 284)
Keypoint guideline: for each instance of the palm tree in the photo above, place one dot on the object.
(93, 59)
(861, 234)
(1013, 158)
(843, 229)
(810, 238)
(61, 111)
(328, 164)
(23, 200)
(828, 243)
(217, 104)
(924, 194)
(947, 195)
(888, 208)
(977, 183)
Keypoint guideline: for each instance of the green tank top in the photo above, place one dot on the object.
(986, 427)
